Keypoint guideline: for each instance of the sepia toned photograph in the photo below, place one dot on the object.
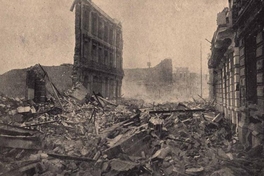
(132, 88)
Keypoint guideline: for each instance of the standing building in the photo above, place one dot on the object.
(98, 50)
(237, 68)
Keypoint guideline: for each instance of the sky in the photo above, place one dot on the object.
(42, 31)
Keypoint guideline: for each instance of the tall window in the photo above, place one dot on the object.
(86, 19)
(106, 33)
(111, 35)
(86, 49)
(111, 60)
(118, 39)
(101, 28)
(105, 57)
(100, 55)
(94, 52)
(94, 23)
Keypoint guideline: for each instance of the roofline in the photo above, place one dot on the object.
(115, 21)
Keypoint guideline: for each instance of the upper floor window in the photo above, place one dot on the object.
(94, 52)
(94, 23)
(111, 60)
(101, 59)
(105, 57)
(111, 35)
(106, 32)
(101, 29)
(86, 19)
(118, 39)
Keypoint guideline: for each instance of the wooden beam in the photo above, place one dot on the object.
(66, 157)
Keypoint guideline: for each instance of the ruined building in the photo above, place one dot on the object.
(187, 84)
(237, 68)
(98, 50)
(154, 82)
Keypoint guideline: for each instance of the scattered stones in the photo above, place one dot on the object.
(91, 139)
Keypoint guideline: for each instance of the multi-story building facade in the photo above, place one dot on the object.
(98, 50)
(237, 68)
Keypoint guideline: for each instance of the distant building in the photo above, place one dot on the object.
(187, 84)
(152, 81)
(98, 50)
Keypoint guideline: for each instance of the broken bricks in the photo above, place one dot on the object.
(126, 142)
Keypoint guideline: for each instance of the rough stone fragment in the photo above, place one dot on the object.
(79, 92)
(23, 109)
(194, 170)
(162, 153)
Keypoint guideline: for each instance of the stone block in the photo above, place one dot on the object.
(22, 109)
(79, 92)
(242, 131)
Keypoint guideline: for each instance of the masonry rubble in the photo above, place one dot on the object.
(90, 135)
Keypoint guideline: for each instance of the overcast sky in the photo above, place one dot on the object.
(42, 31)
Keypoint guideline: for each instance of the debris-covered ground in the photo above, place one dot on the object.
(128, 137)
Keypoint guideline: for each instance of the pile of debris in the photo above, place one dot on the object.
(94, 136)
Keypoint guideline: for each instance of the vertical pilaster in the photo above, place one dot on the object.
(260, 68)
(236, 83)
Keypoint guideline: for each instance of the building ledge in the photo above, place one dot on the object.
(223, 39)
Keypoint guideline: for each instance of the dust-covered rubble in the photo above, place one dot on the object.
(129, 137)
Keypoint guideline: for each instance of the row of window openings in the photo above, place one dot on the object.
(104, 32)
(259, 38)
(102, 56)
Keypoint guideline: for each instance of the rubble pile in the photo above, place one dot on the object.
(99, 137)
